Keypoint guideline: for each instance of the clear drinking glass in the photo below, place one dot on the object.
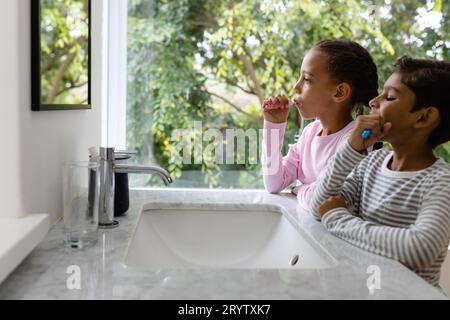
(80, 202)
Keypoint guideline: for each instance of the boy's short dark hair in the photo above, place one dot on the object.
(350, 62)
(430, 82)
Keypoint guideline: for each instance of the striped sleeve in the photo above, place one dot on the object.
(417, 246)
(341, 177)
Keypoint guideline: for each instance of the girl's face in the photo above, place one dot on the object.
(315, 88)
(394, 105)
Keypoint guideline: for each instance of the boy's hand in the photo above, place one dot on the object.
(373, 122)
(276, 109)
(329, 204)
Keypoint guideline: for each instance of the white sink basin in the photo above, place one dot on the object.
(171, 236)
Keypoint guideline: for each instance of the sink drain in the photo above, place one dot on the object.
(294, 260)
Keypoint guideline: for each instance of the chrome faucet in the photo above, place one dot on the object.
(107, 168)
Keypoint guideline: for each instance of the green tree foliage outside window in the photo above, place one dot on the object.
(215, 61)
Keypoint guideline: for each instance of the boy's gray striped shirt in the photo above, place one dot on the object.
(400, 215)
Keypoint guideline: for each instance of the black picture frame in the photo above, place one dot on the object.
(36, 55)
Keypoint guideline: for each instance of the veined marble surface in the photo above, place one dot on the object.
(44, 273)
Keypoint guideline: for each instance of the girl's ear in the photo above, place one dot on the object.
(427, 117)
(343, 92)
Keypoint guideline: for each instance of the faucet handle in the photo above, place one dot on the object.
(127, 152)
(123, 154)
(109, 153)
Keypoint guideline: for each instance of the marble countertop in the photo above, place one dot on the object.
(45, 272)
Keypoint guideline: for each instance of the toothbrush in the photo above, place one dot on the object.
(269, 106)
(366, 134)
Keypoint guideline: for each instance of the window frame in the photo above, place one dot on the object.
(117, 38)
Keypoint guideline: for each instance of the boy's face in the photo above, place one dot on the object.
(394, 105)
(315, 88)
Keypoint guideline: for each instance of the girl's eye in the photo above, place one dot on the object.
(390, 98)
(307, 80)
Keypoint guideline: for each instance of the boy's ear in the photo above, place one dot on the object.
(343, 92)
(427, 117)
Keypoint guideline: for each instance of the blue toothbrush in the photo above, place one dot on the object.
(366, 134)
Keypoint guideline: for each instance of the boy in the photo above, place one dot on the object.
(396, 204)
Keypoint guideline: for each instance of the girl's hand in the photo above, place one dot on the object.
(330, 204)
(276, 109)
(376, 124)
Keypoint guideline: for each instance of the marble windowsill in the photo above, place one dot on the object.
(44, 273)
(18, 237)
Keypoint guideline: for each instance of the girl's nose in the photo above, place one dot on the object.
(298, 87)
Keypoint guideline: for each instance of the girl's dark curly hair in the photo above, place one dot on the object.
(350, 62)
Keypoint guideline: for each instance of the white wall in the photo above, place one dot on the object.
(35, 144)
(9, 111)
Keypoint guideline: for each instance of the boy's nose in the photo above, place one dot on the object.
(373, 104)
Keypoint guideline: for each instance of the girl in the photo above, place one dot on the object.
(335, 77)
(397, 203)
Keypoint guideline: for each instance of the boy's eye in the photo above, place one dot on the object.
(390, 98)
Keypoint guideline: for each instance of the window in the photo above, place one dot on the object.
(175, 90)
(197, 71)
